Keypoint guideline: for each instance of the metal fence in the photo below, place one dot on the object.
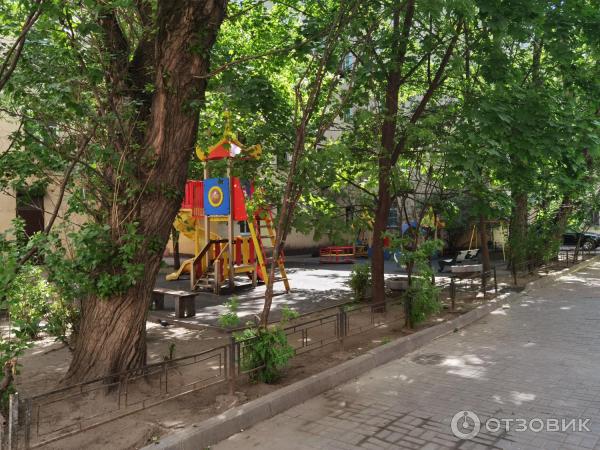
(42, 419)
(562, 259)
(472, 284)
(48, 417)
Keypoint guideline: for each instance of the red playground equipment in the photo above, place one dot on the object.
(345, 254)
(337, 254)
(216, 204)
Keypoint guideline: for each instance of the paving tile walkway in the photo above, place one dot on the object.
(538, 359)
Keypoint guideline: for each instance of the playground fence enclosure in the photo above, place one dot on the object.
(36, 421)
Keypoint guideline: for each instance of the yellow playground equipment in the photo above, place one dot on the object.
(217, 204)
(192, 229)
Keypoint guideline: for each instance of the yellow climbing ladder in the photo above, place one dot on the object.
(257, 226)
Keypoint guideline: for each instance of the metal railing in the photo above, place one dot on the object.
(562, 259)
(46, 418)
(471, 284)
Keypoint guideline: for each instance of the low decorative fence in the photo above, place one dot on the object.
(563, 259)
(46, 418)
(49, 417)
(471, 285)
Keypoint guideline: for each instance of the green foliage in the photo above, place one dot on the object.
(32, 300)
(62, 320)
(288, 314)
(422, 297)
(421, 300)
(360, 280)
(265, 351)
(230, 319)
(102, 265)
(10, 350)
(29, 299)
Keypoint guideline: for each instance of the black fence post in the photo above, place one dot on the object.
(484, 283)
(342, 325)
(452, 291)
(230, 368)
(495, 282)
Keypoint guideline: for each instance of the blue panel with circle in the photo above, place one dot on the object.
(216, 196)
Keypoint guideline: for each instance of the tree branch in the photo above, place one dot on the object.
(14, 53)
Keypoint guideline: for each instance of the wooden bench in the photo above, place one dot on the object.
(185, 304)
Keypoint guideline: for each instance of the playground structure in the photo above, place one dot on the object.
(214, 205)
(346, 254)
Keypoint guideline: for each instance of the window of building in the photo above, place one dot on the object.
(349, 214)
(30, 208)
(348, 62)
(244, 228)
(348, 114)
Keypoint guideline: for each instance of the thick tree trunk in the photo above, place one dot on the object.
(113, 330)
(518, 230)
(115, 333)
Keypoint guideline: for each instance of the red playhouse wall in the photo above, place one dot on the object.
(194, 199)
(239, 201)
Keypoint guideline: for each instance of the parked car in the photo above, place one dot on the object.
(589, 241)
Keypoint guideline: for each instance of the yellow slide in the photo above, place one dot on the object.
(192, 229)
(185, 267)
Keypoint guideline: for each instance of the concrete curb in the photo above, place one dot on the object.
(218, 428)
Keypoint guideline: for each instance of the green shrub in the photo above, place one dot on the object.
(360, 280)
(265, 351)
(10, 350)
(230, 319)
(423, 298)
(28, 298)
(288, 313)
(62, 320)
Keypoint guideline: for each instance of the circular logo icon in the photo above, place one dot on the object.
(465, 425)
(215, 196)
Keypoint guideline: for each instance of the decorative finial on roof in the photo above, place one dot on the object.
(228, 132)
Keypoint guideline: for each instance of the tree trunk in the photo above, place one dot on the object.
(483, 238)
(377, 257)
(176, 254)
(113, 330)
(115, 334)
(518, 230)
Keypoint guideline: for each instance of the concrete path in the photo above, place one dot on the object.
(534, 366)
